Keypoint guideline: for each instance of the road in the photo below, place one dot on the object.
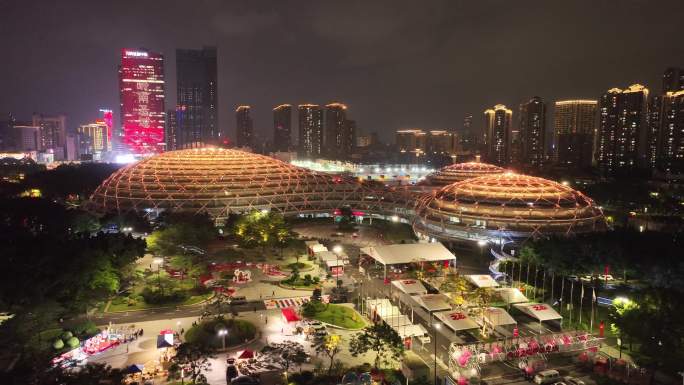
(171, 313)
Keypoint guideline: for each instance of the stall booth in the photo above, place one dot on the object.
(410, 286)
(541, 312)
(482, 280)
(498, 319)
(433, 302)
(412, 253)
(510, 295)
(313, 247)
(456, 320)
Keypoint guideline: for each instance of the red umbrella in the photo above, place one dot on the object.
(246, 354)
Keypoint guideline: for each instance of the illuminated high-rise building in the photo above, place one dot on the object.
(622, 133)
(94, 138)
(532, 131)
(469, 136)
(574, 125)
(348, 142)
(172, 129)
(673, 80)
(335, 117)
(282, 127)
(244, 130)
(197, 95)
(670, 142)
(310, 130)
(52, 134)
(141, 85)
(497, 134)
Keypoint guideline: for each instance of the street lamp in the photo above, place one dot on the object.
(223, 333)
(436, 326)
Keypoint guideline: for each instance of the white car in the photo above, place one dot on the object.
(547, 377)
(572, 380)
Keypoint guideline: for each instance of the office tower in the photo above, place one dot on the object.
(94, 138)
(469, 136)
(670, 153)
(497, 134)
(310, 130)
(244, 130)
(673, 80)
(172, 130)
(282, 127)
(411, 142)
(27, 137)
(335, 117)
(7, 133)
(52, 134)
(622, 132)
(653, 125)
(348, 141)
(197, 94)
(532, 131)
(574, 125)
(141, 85)
(441, 143)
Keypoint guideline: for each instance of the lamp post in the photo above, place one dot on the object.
(436, 326)
(223, 333)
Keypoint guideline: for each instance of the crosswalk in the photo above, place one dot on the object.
(282, 303)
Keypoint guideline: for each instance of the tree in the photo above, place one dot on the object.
(262, 229)
(482, 297)
(289, 352)
(193, 360)
(379, 338)
(456, 284)
(330, 347)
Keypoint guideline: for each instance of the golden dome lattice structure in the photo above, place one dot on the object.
(462, 171)
(224, 181)
(506, 205)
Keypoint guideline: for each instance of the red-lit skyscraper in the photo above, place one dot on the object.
(141, 82)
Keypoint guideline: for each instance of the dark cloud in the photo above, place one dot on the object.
(396, 63)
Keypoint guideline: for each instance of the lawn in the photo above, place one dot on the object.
(122, 303)
(300, 266)
(338, 315)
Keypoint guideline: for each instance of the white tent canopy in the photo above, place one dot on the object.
(333, 263)
(410, 331)
(482, 280)
(410, 286)
(539, 311)
(409, 253)
(317, 248)
(456, 320)
(311, 243)
(433, 302)
(497, 316)
(511, 295)
(397, 320)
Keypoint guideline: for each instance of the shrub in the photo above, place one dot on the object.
(84, 329)
(206, 332)
(72, 342)
(156, 297)
(66, 335)
(316, 280)
(58, 344)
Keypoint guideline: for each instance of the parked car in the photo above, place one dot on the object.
(547, 377)
(231, 372)
(572, 380)
(245, 380)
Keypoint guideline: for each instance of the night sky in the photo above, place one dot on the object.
(397, 64)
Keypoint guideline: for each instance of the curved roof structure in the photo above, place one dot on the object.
(461, 171)
(223, 181)
(506, 205)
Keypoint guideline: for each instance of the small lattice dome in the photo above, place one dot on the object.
(519, 205)
(223, 181)
(462, 171)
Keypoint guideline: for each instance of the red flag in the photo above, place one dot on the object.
(606, 270)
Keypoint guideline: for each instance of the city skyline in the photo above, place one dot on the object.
(384, 96)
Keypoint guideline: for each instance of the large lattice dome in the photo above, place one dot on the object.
(461, 171)
(223, 181)
(506, 205)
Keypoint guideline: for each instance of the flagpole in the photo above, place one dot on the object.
(593, 299)
(561, 296)
(572, 288)
(581, 300)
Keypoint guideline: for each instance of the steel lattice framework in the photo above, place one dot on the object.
(506, 205)
(224, 181)
(461, 171)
